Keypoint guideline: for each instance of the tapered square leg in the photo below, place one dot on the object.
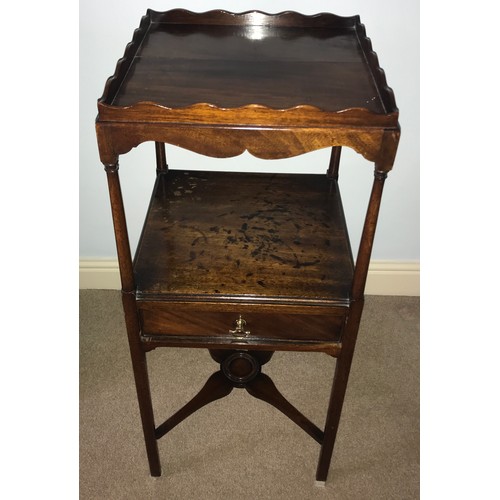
(333, 419)
(141, 377)
(338, 391)
(146, 411)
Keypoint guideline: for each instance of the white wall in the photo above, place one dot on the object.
(393, 26)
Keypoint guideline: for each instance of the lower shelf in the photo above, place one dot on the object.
(247, 237)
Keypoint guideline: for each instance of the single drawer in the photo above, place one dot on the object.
(239, 321)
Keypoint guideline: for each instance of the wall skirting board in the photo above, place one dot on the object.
(384, 277)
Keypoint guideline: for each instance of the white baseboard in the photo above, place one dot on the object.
(384, 277)
(100, 274)
(393, 278)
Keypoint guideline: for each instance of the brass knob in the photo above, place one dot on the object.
(240, 331)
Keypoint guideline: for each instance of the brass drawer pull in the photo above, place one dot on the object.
(240, 331)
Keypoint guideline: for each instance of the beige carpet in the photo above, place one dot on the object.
(240, 447)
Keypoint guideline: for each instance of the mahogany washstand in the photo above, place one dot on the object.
(245, 264)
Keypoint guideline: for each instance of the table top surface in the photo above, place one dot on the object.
(186, 62)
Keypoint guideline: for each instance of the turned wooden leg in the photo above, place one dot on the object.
(333, 167)
(161, 158)
(137, 353)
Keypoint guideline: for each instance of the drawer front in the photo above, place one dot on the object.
(273, 324)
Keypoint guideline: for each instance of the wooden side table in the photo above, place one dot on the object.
(244, 264)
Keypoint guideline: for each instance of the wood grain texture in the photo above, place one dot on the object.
(224, 142)
(230, 235)
(124, 63)
(235, 261)
(276, 85)
(171, 319)
(256, 115)
(221, 17)
(311, 67)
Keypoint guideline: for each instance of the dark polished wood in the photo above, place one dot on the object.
(225, 71)
(333, 168)
(161, 158)
(263, 388)
(266, 143)
(240, 369)
(246, 264)
(234, 235)
(260, 59)
(216, 387)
